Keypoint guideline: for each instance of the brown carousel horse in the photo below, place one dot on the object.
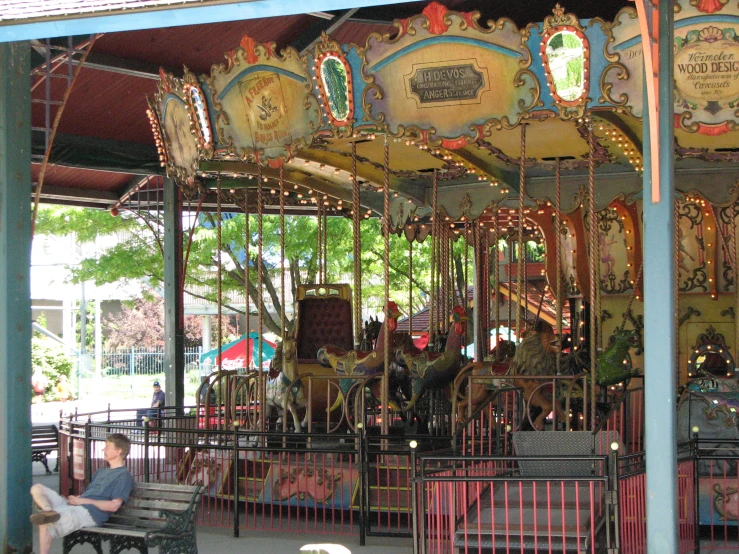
(478, 391)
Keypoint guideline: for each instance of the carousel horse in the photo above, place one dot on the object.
(358, 362)
(277, 388)
(435, 370)
(370, 333)
(537, 355)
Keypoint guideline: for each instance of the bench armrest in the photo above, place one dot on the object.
(178, 522)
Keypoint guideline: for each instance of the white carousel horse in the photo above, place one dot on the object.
(278, 395)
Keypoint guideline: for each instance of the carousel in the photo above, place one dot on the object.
(488, 142)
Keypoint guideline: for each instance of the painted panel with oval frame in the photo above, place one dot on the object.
(565, 54)
(333, 82)
(198, 113)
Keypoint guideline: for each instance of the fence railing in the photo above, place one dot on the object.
(487, 504)
(125, 362)
(412, 486)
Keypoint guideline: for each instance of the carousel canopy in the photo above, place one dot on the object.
(450, 85)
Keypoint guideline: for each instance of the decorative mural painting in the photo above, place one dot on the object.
(614, 271)
(310, 485)
(446, 60)
(706, 66)
(177, 127)
(697, 244)
(726, 262)
(569, 262)
(264, 104)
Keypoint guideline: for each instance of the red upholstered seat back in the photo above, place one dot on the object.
(323, 321)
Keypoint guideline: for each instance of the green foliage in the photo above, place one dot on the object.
(137, 256)
(49, 357)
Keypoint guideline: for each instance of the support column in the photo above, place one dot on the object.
(480, 289)
(659, 307)
(174, 334)
(15, 296)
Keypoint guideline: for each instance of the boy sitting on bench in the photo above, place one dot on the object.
(108, 491)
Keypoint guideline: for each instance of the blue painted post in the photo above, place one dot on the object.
(15, 296)
(659, 313)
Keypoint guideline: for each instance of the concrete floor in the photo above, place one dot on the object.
(221, 541)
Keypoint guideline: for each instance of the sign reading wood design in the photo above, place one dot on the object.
(441, 83)
(707, 69)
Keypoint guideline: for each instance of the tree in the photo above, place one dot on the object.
(138, 255)
(141, 324)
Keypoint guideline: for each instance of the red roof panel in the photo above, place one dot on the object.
(76, 178)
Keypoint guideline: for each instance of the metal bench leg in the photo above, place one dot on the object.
(186, 544)
(120, 543)
(46, 464)
(80, 537)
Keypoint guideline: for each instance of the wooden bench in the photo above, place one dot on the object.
(44, 441)
(156, 514)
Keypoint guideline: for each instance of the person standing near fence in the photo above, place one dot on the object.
(157, 403)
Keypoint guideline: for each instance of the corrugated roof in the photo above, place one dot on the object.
(54, 9)
(78, 178)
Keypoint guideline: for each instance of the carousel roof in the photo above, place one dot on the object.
(105, 152)
(13, 10)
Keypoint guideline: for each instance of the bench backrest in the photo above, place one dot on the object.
(44, 437)
(148, 499)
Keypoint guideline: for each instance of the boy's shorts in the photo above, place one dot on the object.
(72, 518)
